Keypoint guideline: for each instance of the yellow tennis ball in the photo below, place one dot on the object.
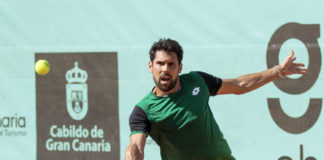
(42, 67)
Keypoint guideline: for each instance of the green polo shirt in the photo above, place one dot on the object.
(182, 123)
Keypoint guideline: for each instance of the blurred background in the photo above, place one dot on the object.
(110, 41)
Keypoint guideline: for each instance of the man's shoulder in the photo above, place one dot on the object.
(146, 101)
(192, 76)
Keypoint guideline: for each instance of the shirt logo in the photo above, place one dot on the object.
(195, 91)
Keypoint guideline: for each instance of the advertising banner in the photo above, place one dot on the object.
(77, 107)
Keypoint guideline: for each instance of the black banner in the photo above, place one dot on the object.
(77, 107)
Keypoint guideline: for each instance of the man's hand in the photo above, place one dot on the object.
(288, 67)
(249, 82)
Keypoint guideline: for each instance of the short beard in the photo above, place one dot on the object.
(166, 88)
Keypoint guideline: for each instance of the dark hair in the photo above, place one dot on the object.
(167, 45)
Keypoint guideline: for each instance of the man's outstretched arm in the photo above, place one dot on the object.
(135, 150)
(249, 82)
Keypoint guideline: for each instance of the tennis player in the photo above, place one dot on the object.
(176, 113)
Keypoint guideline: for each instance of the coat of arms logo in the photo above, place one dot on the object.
(76, 92)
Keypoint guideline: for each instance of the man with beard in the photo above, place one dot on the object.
(176, 113)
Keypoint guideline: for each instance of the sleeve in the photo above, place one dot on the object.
(139, 122)
(213, 83)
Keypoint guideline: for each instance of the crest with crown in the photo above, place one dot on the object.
(76, 75)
